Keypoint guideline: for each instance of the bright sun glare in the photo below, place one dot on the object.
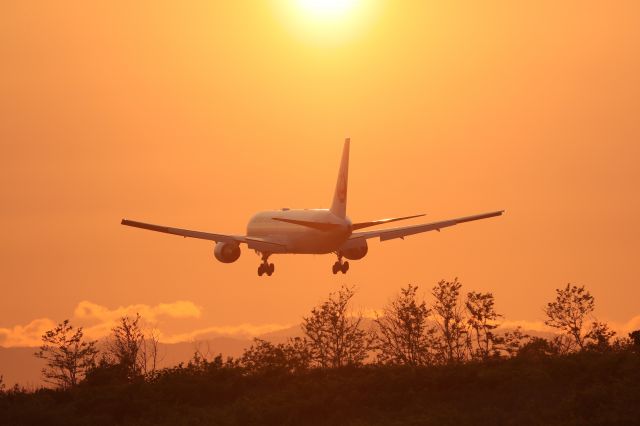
(327, 21)
(326, 9)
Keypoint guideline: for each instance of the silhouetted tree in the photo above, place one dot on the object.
(482, 321)
(201, 363)
(562, 344)
(67, 355)
(514, 340)
(334, 337)
(635, 338)
(449, 316)
(125, 346)
(2, 385)
(405, 335)
(150, 351)
(599, 337)
(569, 311)
(106, 372)
(264, 356)
(537, 348)
(129, 354)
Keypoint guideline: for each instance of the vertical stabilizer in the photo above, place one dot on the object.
(339, 205)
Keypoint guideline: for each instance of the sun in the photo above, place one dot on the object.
(327, 9)
(327, 22)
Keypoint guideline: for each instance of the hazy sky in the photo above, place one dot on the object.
(198, 114)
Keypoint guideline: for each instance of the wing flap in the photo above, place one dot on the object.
(264, 245)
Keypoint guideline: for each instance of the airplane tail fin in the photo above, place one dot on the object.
(339, 205)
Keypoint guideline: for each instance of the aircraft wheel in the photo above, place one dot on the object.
(261, 270)
(345, 267)
(271, 269)
(336, 267)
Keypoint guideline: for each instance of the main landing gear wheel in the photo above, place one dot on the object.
(340, 266)
(266, 267)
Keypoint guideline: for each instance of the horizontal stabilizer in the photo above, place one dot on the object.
(320, 226)
(361, 225)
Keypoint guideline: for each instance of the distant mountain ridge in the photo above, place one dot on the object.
(19, 365)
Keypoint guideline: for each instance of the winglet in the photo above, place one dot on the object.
(339, 205)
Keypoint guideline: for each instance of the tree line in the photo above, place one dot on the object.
(454, 328)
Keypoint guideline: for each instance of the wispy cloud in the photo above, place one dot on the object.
(98, 320)
(242, 330)
(624, 328)
(180, 309)
(25, 335)
(538, 326)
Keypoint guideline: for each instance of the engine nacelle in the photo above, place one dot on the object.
(227, 252)
(356, 253)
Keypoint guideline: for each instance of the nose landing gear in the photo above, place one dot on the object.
(340, 266)
(266, 267)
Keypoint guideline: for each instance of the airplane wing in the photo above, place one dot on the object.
(260, 244)
(401, 232)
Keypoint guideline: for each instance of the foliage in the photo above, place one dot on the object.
(449, 317)
(334, 337)
(129, 347)
(422, 375)
(537, 348)
(483, 321)
(106, 372)
(599, 337)
(405, 336)
(265, 357)
(634, 336)
(580, 388)
(569, 311)
(67, 355)
(514, 340)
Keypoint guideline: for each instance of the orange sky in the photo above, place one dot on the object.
(197, 114)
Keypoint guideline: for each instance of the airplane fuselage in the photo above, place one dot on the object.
(309, 231)
(301, 239)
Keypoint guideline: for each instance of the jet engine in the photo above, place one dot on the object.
(356, 253)
(227, 252)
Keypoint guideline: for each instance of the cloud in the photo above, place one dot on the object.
(538, 326)
(624, 328)
(26, 335)
(632, 325)
(98, 320)
(242, 331)
(181, 309)
(621, 328)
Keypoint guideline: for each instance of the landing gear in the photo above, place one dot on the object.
(266, 267)
(340, 266)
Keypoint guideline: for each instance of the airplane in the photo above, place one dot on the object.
(310, 231)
